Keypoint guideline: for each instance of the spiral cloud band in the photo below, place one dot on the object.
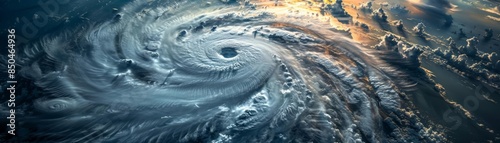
(185, 71)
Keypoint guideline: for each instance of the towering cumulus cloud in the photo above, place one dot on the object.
(435, 9)
(216, 72)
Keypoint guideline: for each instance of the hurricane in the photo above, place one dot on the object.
(224, 71)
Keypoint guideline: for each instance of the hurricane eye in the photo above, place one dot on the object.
(228, 52)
